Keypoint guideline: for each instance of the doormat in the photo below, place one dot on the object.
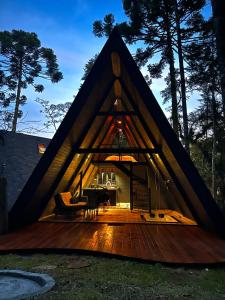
(158, 219)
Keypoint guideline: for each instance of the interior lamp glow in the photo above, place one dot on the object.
(121, 158)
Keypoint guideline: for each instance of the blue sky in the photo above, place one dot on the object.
(66, 27)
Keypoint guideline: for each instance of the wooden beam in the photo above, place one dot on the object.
(81, 164)
(115, 162)
(117, 89)
(107, 133)
(80, 183)
(117, 150)
(116, 113)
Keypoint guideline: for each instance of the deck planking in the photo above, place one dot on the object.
(122, 215)
(150, 242)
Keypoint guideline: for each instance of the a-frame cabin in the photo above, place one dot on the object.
(116, 136)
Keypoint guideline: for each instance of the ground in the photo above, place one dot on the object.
(96, 277)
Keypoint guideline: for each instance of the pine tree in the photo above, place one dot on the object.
(218, 7)
(88, 66)
(149, 22)
(207, 130)
(162, 27)
(22, 61)
(184, 11)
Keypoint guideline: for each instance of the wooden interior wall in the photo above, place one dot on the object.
(123, 182)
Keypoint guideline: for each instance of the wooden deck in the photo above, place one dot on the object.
(154, 243)
(117, 215)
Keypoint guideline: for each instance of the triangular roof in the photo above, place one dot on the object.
(115, 75)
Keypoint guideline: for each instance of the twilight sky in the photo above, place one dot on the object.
(66, 27)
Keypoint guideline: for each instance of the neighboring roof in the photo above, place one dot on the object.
(19, 154)
(21, 134)
(115, 76)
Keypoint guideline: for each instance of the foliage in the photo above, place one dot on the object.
(88, 66)
(162, 27)
(22, 61)
(202, 135)
(201, 58)
(218, 7)
(54, 113)
(206, 122)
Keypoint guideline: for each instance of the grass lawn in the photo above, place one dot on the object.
(90, 277)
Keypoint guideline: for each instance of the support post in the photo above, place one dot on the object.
(81, 179)
(131, 188)
(150, 201)
(149, 192)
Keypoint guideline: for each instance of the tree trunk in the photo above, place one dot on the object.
(182, 80)
(18, 93)
(213, 143)
(172, 74)
(218, 7)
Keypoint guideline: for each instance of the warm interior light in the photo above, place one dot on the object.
(41, 148)
(121, 158)
(119, 122)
